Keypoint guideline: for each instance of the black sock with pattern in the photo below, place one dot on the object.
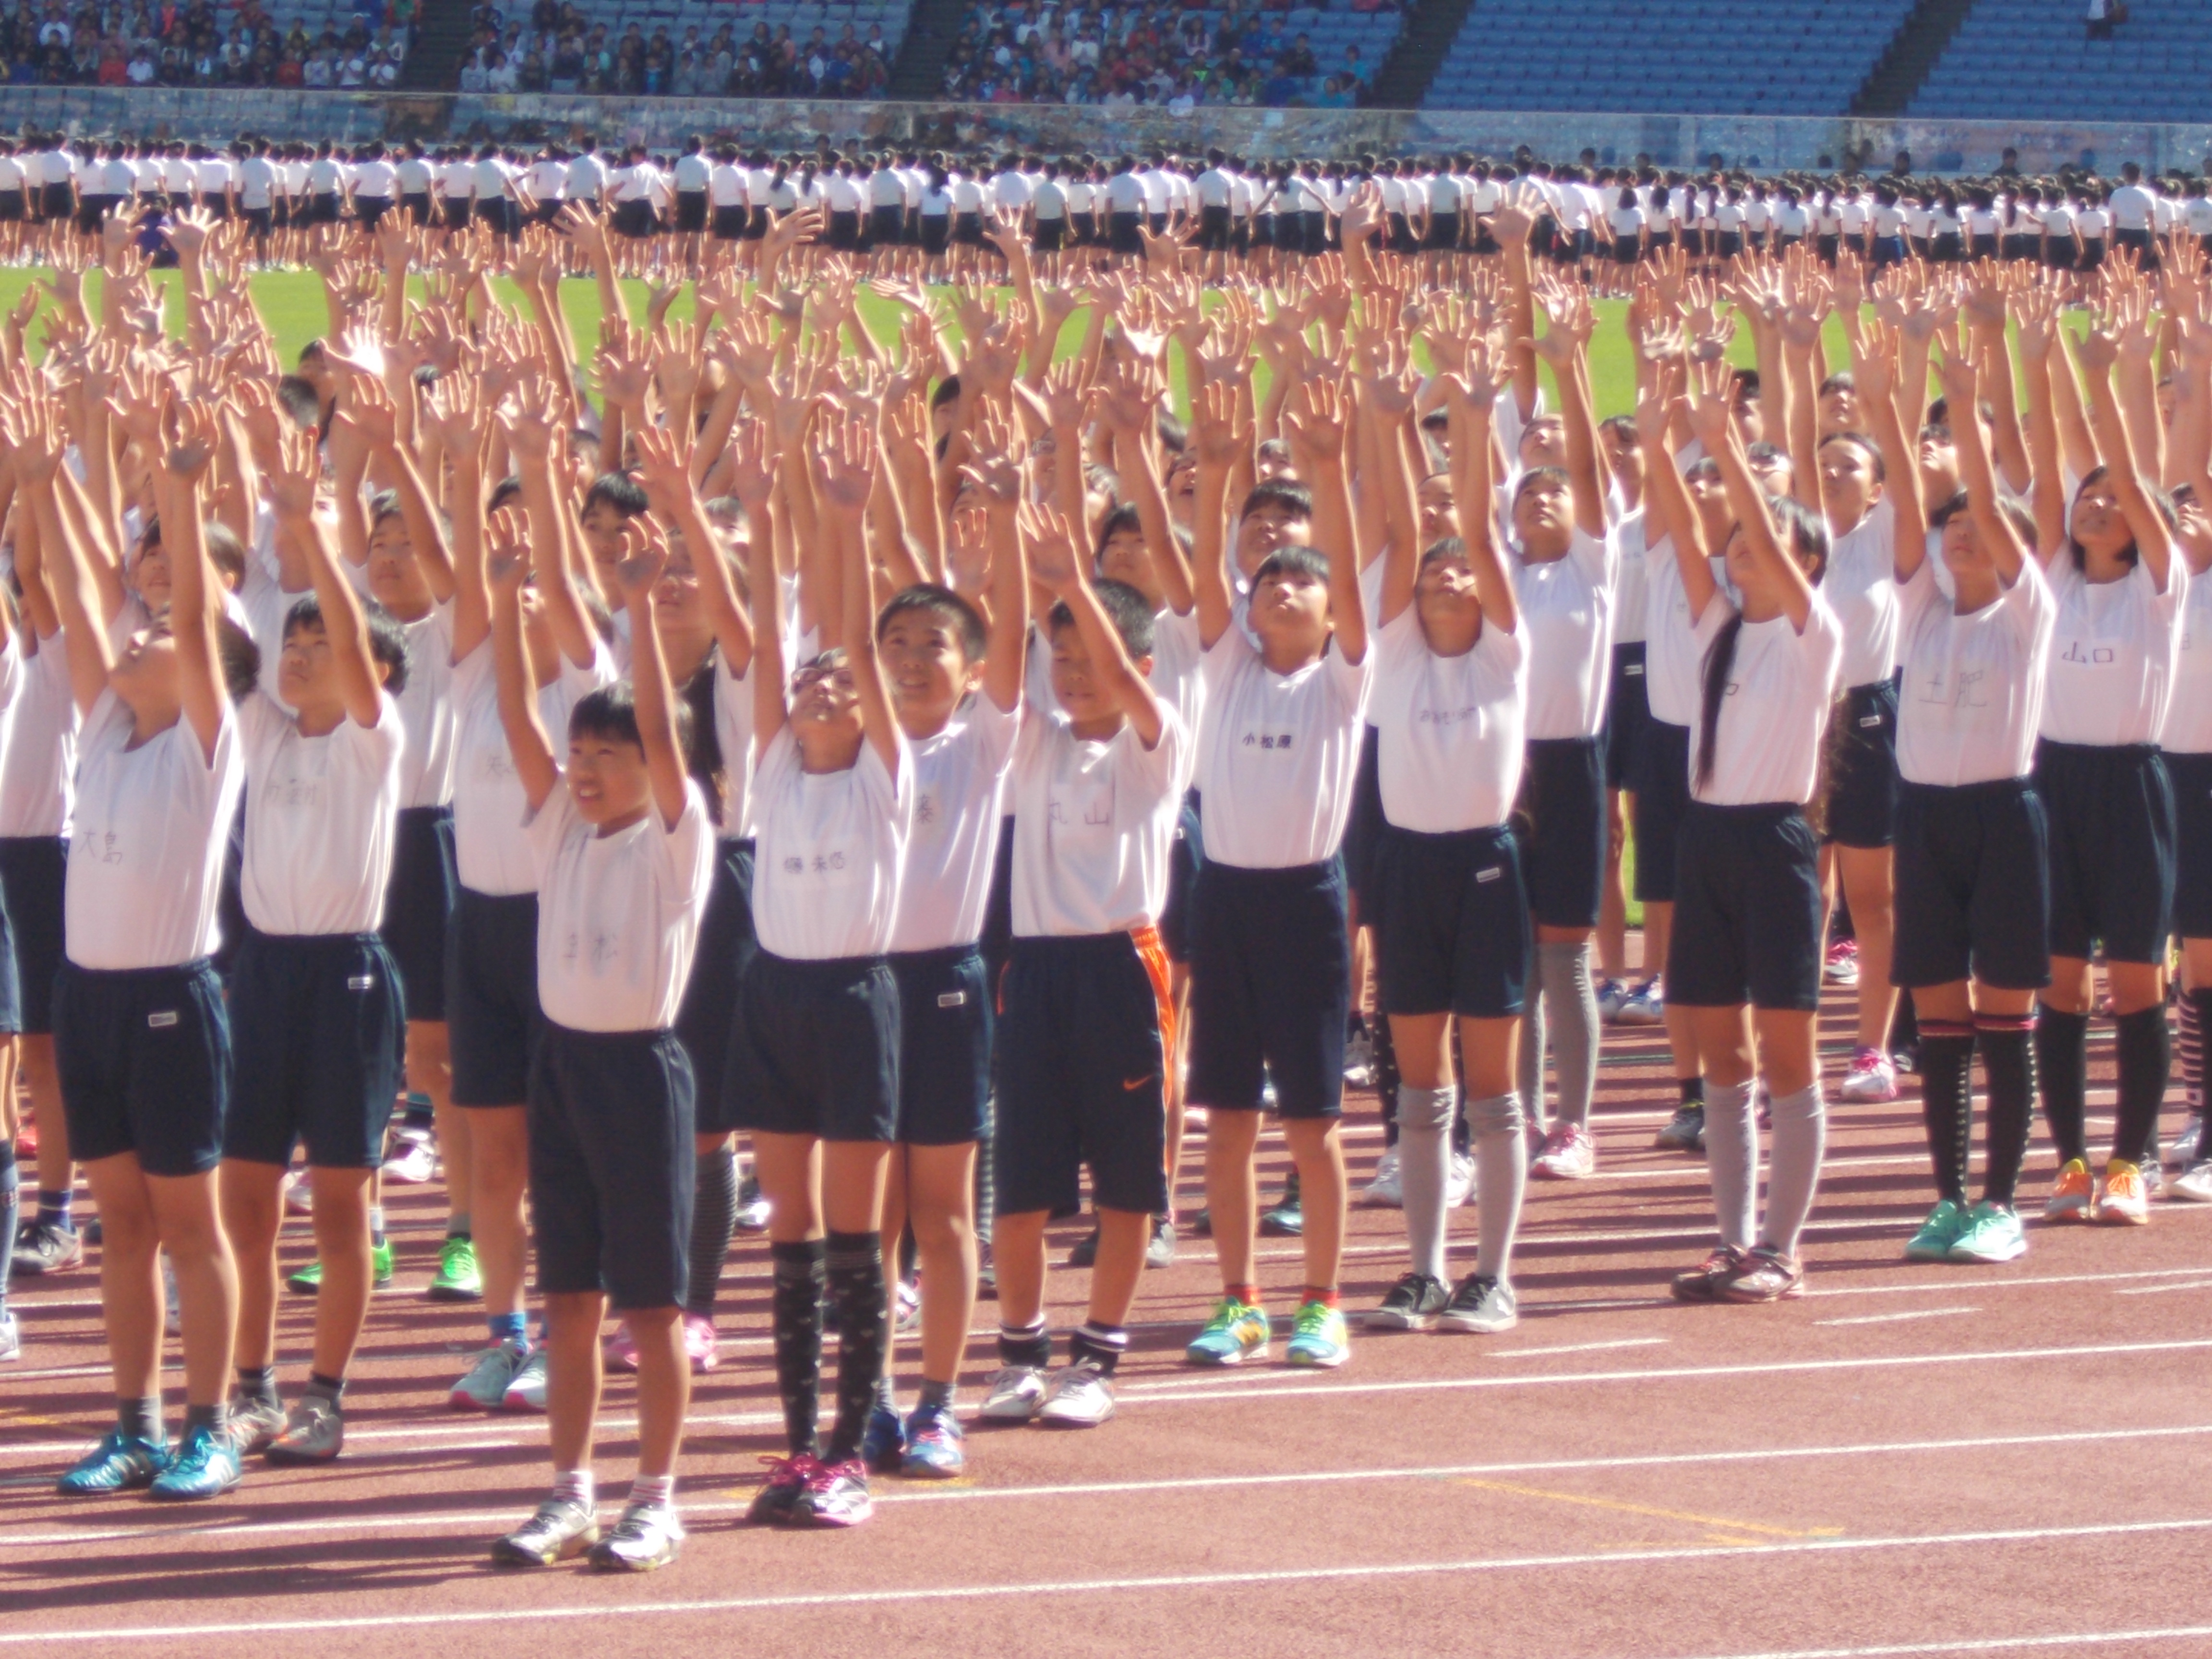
(798, 1325)
(864, 1330)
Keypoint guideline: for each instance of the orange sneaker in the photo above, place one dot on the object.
(2072, 1198)
(2124, 1202)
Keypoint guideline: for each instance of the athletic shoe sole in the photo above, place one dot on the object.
(1224, 1362)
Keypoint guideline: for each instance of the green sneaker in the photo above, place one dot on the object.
(1319, 1337)
(1991, 1233)
(1937, 1234)
(308, 1279)
(1237, 1332)
(383, 1270)
(456, 1279)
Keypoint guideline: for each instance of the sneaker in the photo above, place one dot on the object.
(1646, 1005)
(1459, 1180)
(1764, 1276)
(701, 1345)
(458, 1278)
(255, 1421)
(1937, 1234)
(2194, 1183)
(1842, 967)
(2189, 1145)
(1160, 1247)
(560, 1529)
(1611, 995)
(646, 1539)
(2152, 1172)
(936, 1450)
(1319, 1337)
(1081, 1397)
(1482, 1306)
(2124, 1202)
(776, 1503)
(752, 1206)
(2070, 1199)
(1014, 1395)
(1569, 1154)
(1287, 1218)
(906, 1307)
(1992, 1233)
(1411, 1304)
(527, 1393)
(621, 1347)
(1084, 1253)
(120, 1463)
(1386, 1190)
(47, 1247)
(314, 1433)
(299, 1196)
(1237, 1332)
(484, 1387)
(1685, 1131)
(383, 1268)
(1201, 1225)
(205, 1466)
(1871, 1076)
(11, 1336)
(412, 1165)
(835, 1495)
(1360, 1059)
(1702, 1282)
(308, 1281)
(883, 1443)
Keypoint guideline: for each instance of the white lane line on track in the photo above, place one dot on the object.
(1731, 1554)
(1897, 1318)
(1986, 1644)
(1577, 1347)
(2159, 1290)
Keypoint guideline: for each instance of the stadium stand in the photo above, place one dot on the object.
(309, 44)
(2038, 60)
(688, 48)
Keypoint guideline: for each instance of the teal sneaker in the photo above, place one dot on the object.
(205, 1466)
(1937, 1234)
(1991, 1233)
(121, 1463)
(1237, 1332)
(1319, 1337)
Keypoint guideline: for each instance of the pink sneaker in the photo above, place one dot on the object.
(621, 1348)
(1842, 967)
(1568, 1154)
(1871, 1076)
(700, 1346)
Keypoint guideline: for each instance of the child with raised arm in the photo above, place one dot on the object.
(624, 852)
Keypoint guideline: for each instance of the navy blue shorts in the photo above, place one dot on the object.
(1662, 796)
(231, 925)
(11, 989)
(319, 1029)
(144, 1058)
(1364, 826)
(1452, 927)
(2191, 777)
(30, 875)
(2112, 826)
(492, 1013)
(1270, 988)
(726, 944)
(1082, 1077)
(1747, 910)
(1186, 853)
(1863, 779)
(418, 906)
(1560, 822)
(1627, 714)
(999, 904)
(1974, 886)
(815, 1049)
(944, 1045)
(611, 1165)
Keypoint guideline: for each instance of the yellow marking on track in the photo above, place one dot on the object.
(1731, 1528)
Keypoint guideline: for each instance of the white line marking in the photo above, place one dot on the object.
(2159, 1290)
(1303, 1576)
(1576, 1347)
(1892, 1319)
(1991, 1644)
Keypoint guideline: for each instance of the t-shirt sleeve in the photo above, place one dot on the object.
(2170, 603)
(1217, 661)
(1918, 593)
(383, 742)
(686, 858)
(1352, 680)
(997, 731)
(1595, 556)
(2028, 602)
(1821, 647)
(545, 829)
(1154, 772)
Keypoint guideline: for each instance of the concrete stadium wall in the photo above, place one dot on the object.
(1771, 142)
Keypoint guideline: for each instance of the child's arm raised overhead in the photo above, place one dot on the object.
(292, 490)
(1220, 428)
(459, 417)
(506, 565)
(1314, 420)
(529, 427)
(1055, 562)
(34, 430)
(194, 593)
(675, 501)
(645, 554)
(850, 454)
(1977, 473)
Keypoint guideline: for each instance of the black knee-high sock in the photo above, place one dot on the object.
(798, 1315)
(986, 1171)
(1903, 1025)
(11, 1201)
(1947, 1093)
(713, 1223)
(2009, 1066)
(1386, 1079)
(2061, 1057)
(2146, 1056)
(856, 1283)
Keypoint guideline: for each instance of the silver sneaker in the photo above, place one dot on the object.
(1081, 1397)
(646, 1538)
(752, 1206)
(1459, 1181)
(2188, 1147)
(560, 1529)
(1482, 1306)
(527, 1392)
(484, 1387)
(314, 1433)
(1387, 1190)
(1014, 1395)
(2193, 1184)
(11, 1336)
(254, 1423)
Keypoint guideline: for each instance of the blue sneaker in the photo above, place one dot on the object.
(205, 1466)
(1237, 1332)
(936, 1450)
(883, 1445)
(1318, 1337)
(121, 1463)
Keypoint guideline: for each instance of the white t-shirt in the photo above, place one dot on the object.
(37, 761)
(256, 181)
(959, 791)
(1767, 746)
(2189, 712)
(1972, 690)
(1566, 605)
(618, 915)
(548, 179)
(321, 819)
(374, 179)
(733, 731)
(691, 173)
(829, 848)
(1674, 660)
(1631, 582)
(2112, 655)
(426, 709)
(1450, 728)
(147, 840)
(1277, 754)
(1860, 588)
(1093, 823)
(489, 846)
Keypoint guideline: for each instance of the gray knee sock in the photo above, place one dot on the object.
(1501, 1171)
(1573, 1020)
(1424, 1130)
(1530, 1074)
(1732, 1153)
(1793, 1166)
